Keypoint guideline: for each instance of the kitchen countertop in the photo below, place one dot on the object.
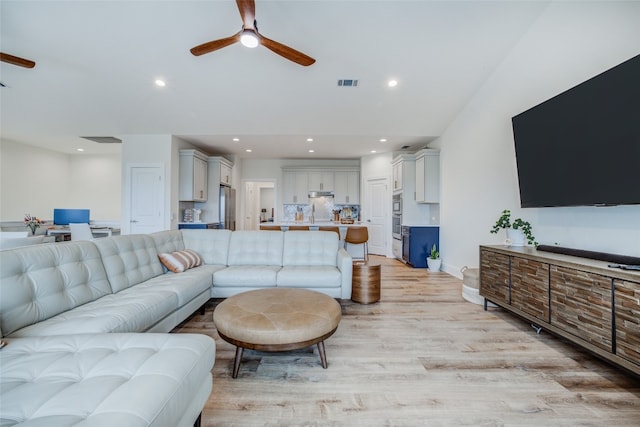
(315, 224)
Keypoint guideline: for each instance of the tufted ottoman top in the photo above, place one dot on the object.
(277, 316)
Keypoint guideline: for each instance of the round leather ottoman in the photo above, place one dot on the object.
(277, 319)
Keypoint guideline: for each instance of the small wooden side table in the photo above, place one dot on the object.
(365, 284)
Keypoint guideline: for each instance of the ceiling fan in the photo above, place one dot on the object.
(250, 37)
(16, 60)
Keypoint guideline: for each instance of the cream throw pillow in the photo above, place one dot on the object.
(180, 261)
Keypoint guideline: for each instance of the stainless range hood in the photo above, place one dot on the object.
(316, 194)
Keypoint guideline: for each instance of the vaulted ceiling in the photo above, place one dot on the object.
(97, 62)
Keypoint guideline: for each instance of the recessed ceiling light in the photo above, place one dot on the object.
(383, 139)
(392, 83)
(79, 149)
(373, 151)
(160, 83)
(248, 150)
(309, 139)
(236, 139)
(312, 151)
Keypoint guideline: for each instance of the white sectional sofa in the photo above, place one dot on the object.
(73, 314)
(245, 260)
(70, 315)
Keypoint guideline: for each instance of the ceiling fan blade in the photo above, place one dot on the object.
(286, 51)
(15, 60)
(215, 44)
(247, 10)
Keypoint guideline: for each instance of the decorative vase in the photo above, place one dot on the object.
(515, 237)
(434, 264)
(33, 229)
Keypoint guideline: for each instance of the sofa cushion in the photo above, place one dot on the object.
(180, 261)
(186, 286)
(255, 248)
(41, 281)
(129, 260)
(246, 276)
(105, 379)
(168, 240)
(310, 248)
(134, 309)
(212, 245)
(321, 276)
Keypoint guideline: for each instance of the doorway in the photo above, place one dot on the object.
(377, 210)
(146, 200)
(259, 203)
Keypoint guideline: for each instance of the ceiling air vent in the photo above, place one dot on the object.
(103, 139)
(348, 83)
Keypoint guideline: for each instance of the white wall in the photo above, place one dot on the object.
(36, 181)
(95, 183)
(568, 44)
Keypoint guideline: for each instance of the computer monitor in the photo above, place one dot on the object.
(66, 216)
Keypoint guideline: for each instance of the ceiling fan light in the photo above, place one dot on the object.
(249, 39)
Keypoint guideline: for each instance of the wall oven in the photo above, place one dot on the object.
(396, 227)
(397, 204)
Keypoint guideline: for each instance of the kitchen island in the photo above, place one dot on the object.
(354, 250)
(284, 225)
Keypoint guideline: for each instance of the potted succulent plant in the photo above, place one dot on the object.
(434, 261)
(517, 231)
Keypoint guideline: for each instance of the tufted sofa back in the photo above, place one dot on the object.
(40, 281)
(129, 260)
(168, 241)
(310, 248)
(256, 248)
(211, 245)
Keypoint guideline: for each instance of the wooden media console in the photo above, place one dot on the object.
(583, 300)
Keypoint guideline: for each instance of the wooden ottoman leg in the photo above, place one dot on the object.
(236, 362)
(323, 356)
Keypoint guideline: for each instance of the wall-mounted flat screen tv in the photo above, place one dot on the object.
(70, 216)
(582, 147)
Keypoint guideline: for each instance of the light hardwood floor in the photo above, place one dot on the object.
(422, 356)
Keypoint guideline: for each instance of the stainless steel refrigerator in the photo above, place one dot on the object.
(227, 208)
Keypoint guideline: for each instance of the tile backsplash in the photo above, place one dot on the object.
(322, 209)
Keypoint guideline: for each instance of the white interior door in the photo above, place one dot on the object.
(377, 215)
(147, 200)
(251, 200)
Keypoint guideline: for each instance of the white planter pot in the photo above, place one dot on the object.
(434, 264)
(515, 237)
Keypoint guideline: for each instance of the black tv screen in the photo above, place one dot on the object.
(582, 147)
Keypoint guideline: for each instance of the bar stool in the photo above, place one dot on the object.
(358, 236)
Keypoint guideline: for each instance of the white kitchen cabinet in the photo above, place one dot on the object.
(225, 172)
(321, 181)
(347, 187)
(404, 170)
(295, 187)
(211, 208)
(193, 176)
(428, 176)
(397, 171)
